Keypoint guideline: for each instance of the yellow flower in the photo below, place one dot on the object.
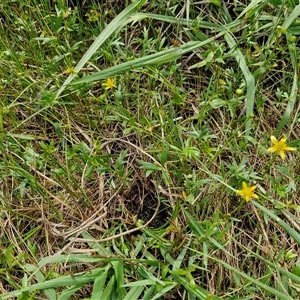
(280, 146)
(70, 71)
(247, 192)
(110, 83)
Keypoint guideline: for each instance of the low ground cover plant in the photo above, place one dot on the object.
(149, 150)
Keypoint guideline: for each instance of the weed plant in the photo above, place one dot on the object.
(149, 150)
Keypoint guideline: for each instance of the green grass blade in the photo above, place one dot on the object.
(248, 77)
(72, 258)
(68, 280)
(66, 294)
(199, 233)
(49, 293)
(153, 59)
(134, 293)
(148, 294)
(290, 19)
(180, 258)
(116, 23)
(272, 265)
(163, 291)
(99, 285)
(138, 16)
(197, 291)
(290, 106)
(119, 274)
(270, 289)
(292, 232)
(250, 7)
(140, 283)
(107, 293)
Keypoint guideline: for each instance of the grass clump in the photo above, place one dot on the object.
(149, 151)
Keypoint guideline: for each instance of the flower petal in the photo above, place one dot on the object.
(273, 139)
(282, 155)
(271, 149)
(290, 149)
(247, 198)
(283, 140)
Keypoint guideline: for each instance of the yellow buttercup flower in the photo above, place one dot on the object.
(70, 71)
(110, 83)
(279, 147)
(247, 192)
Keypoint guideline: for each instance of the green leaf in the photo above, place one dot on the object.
(99, 284)
(149, 166)
(164, 155)
(216, 2)
(66, 294)
(296, 271)
(107, 293)
(275, 2)
(119, 275)
(158, 58)
(291, 231)
(248, 77)
(135, 292)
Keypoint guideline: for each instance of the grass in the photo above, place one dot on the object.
(129, 192)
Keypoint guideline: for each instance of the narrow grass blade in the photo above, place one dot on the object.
(140, 283)
(116, 23)
(138, 16)
(287, 114)
(289, 108)
(272, 265)
(66, 294)
(72, 258)
(293, 95)
(180, 258)
(49, 293)
(147, 274)
(248, 77)
(292, 232)
(290, 19)
(157, 58)
(99, 284)
(197, 291)
(107, 293)
(148, 294)
(270, 289)
(251, 6)
(163, 291)
(119, 274)
(134, 293)
(199, 233)
(55, 283)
